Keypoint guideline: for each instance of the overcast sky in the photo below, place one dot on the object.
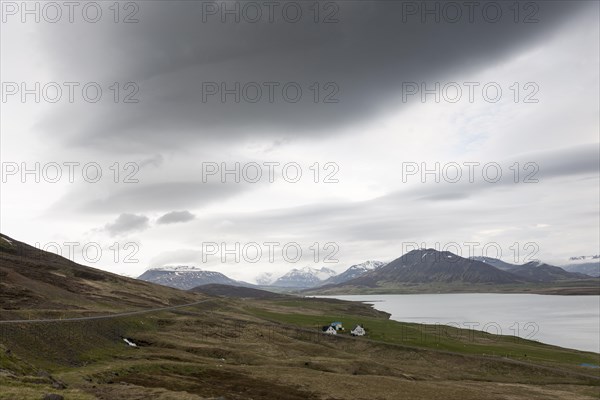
(340, 85)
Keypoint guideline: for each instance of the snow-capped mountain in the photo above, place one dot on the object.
(304, 278)
(187, 277)
(354, 272)
(265, 279)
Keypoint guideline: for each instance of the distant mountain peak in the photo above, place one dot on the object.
(186, 277)
(304, 277)
(265, 279)
(354, 271)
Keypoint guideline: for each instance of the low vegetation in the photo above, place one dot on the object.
(247, 345)
(267, 348)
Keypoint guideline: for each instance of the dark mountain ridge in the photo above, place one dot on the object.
(429, 265)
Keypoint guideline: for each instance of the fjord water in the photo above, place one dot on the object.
(566, 321)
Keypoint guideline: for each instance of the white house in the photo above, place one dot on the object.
(329, 330)
(358, 331)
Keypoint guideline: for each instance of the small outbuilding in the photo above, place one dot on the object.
(337, 326)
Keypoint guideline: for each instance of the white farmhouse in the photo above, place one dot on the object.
(358, 331)
(329, 330)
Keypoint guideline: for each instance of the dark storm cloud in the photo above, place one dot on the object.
(126, 223)
(171, 52)
(175, 217)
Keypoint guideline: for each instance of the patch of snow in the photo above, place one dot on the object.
(6, 240)
(368, 265)
(129, 342)
(177, 268)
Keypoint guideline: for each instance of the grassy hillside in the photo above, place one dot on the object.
(249, 345)
(38, 284)
(272, 348)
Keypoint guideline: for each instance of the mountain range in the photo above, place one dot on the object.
(428, 270)
(418, 268)
(429, 265)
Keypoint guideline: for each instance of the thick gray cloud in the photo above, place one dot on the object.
(431, 209)
(163, 196)
(368, 54)
(127, 223)
(141, 197)
(176, 257)
(171, 53)
(175, 217)
(533, 168)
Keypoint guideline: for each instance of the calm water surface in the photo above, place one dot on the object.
(566, 321)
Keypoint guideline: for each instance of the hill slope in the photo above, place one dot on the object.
(237, 291)
(37, 280)
(259, 348)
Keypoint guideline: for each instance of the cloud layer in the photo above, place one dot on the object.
(351, 133)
